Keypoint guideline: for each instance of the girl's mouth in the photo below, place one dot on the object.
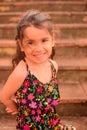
(39, 55)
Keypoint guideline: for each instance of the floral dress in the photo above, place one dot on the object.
(36, 103)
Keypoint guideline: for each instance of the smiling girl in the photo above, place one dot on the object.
(33, 80)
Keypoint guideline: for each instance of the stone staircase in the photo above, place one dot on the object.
(70, 18)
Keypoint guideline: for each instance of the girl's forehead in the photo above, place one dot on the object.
(34, 32)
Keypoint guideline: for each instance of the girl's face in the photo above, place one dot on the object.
(37, 44)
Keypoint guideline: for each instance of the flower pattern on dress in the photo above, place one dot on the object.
(36, 104)
(33, 105)
(31, 96)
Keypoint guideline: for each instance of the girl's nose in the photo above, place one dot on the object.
(39, 46)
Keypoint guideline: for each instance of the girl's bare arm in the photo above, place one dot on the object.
(11, 86)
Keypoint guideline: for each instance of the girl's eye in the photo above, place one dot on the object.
(44, 40)
(30, 42)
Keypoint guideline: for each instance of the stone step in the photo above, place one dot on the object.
(70, 80)
(7, 122)
(71, 104)
(37, 0)
(57, 17)
(80, 122)
(73, 52)
(72, 63)
(66, 74)
(43, 5)
(71, 76)
(59, 43)
(64, 64)
(7, 43)
(66, 31)
(61, 52)
(70, 70)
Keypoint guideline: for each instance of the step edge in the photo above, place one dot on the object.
(48, 12)
(45, 2)
(61, 67)
(59, 43)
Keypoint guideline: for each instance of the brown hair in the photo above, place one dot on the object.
(35, 18)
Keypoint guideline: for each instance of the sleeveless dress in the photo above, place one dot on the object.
(36, 103)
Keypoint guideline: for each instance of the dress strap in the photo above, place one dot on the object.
(52, 65)
(54, 75)
(27, 68)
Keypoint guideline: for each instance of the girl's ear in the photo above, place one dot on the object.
(20, 45)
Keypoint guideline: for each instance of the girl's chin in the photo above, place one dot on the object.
(40, 60)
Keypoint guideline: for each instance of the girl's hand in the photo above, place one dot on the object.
(13, 112)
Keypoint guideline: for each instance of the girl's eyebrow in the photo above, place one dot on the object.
(29, 40)
(35, 39)
(45, 38)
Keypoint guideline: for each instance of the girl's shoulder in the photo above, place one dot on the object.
(20, 70)
(55, 64)
(15, 79)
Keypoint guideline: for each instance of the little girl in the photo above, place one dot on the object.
(33, 80)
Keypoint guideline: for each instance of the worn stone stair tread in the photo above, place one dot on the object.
(63, 25)
(50, 12)
(72, 42)
(7, 43)
(60, 43)
(68, 91)
(16, 5)
(7, 122)
(64, 64)
(72, 64)
(66, 31)
(35, 0)
(57, 16)
(69, 94)
(43, 2)
(75, 103)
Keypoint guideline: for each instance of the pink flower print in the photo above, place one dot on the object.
(55, 102)
(48, 100)
(26, 83)
(24, 90)
(22, 118)
(38, 118)
(33, 117)
(33, 105)
(31, 96)
(35, 82)
(39, 111)
(33, 112)
(42, 121)
(53, 121)
(23, 101)
(26, 127)
(60, 122)
(16, 123)
(39, 89)
(56, 81)
(47, 108)
(40, 105)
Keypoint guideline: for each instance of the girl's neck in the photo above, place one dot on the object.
(38, 65)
